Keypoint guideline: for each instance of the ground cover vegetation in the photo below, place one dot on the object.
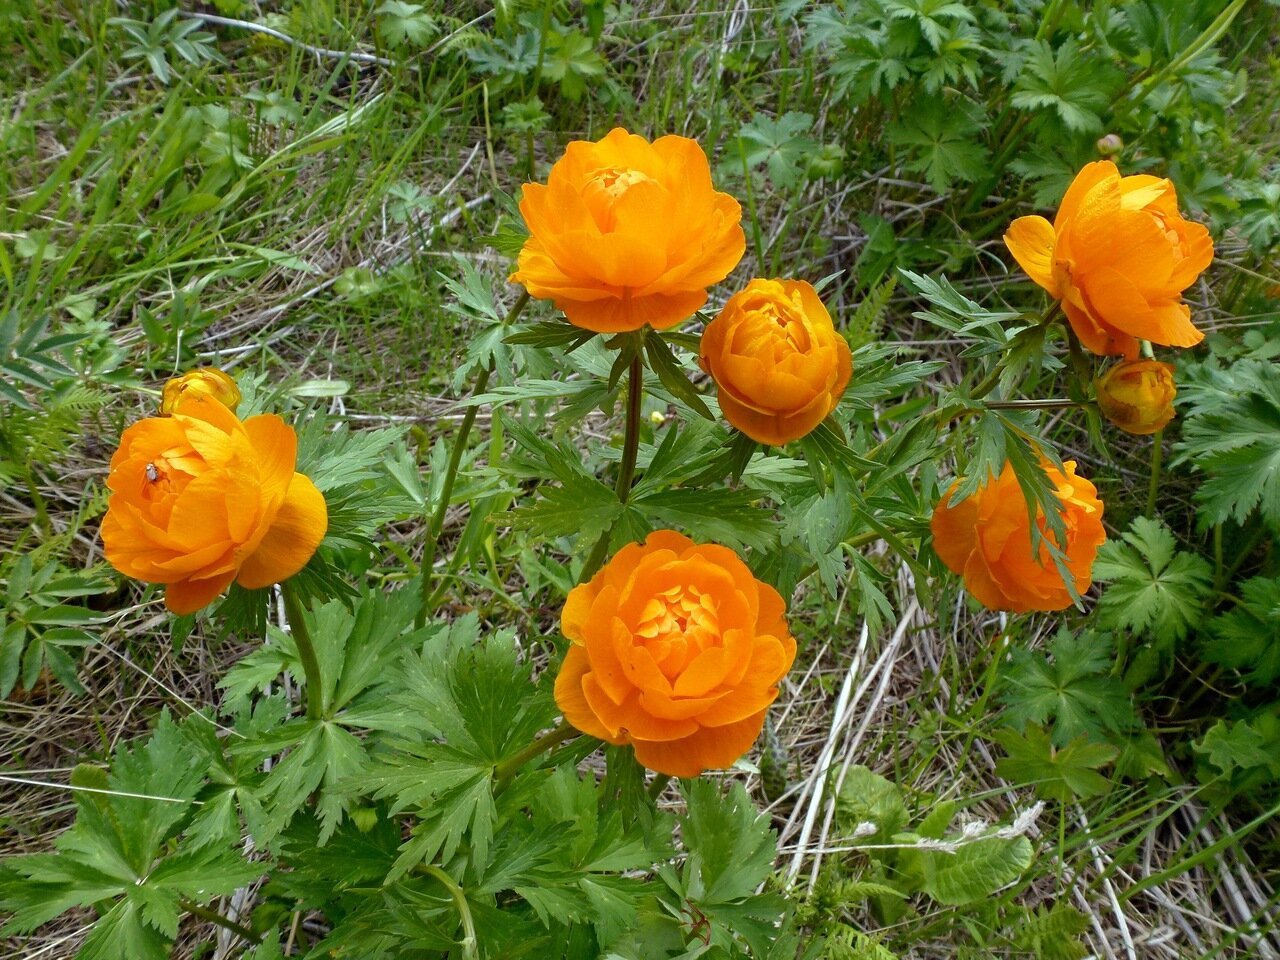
(639, 480)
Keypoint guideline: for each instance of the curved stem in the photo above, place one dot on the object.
(213, 916)
(627, 469)
(459, 897)
(301, 634)
(436, 526)
(507, 768)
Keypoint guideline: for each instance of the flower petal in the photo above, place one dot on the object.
(299, 526)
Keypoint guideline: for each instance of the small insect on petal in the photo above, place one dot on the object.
(152, 473)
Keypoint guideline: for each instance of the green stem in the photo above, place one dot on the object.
(507, 768)
(436, 526)
(1157, 458)
(627, 470)
(459, 898)
(1034, 404)
(213, 916)
(301, 634)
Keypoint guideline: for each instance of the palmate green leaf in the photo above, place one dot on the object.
(1074, 691)
(582, 505)
(943, 137)
(1076, 86)
(1238, 746)
(1232, 435)
(780, 145)
(958, 314)
(1155, 589)
(400, 23)
(1244, 638)
(1057, 774)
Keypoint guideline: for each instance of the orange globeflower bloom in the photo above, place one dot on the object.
(204, 382)
(986, 538)
(676, 649)
(1137, 395)
(199, 499)
(627, 233)
(779, 363)
(1118, 255)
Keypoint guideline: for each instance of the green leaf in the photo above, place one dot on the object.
(671, 374)
(1076, 86)
(1154, 588)
(779, 145)
(1074, 691)
(866, 797)
(400, 23)
(1232, 435)
(1244, 638)
(730, 844)
(1237, 746)
(943, 140)
(1057, 774)
(972, 871)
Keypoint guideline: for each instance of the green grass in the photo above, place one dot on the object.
(291, 216)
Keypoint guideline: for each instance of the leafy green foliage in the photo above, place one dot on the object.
(1052, 933)
(154, 42)
(1244, 637)
(941, 137)
(1077, 88)
(1073, 694)
(1230, 434)
(401, 23)
(126, 853)
(1154, 588)
(38, 626)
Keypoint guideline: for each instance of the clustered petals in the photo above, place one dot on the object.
(677, 649)
(1118, 255)
(986, 538)
(1137, 395)
(778, 362)
(200, 499)
(627, 233)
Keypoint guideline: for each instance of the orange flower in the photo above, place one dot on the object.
(201, 382)
(1118, 255)
(1137, 395)
(199, 499)
(628, 232)
(677, 649)
(778, 362)
(986, 538)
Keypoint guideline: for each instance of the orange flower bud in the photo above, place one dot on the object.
(1118, 255)
(1137, 395)
(779, 364)
(199, 499)
(627, 233)
(202, 382)
(676, 649)
(986, 538)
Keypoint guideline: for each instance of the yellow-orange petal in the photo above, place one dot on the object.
(710, 748)
(573, 702)
(188, 596)
(1031, 240)
(298, 527)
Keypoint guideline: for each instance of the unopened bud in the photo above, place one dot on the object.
(203, 383)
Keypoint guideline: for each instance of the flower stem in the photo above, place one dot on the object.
(213, 916)
(507, 768)
(627, 470)
(459, 897)
(301, 634)
(1157, 456)
(436, 525)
